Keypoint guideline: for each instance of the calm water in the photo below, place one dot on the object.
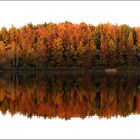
(70, 95)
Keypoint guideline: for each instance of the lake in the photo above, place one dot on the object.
(50, 95)
(69, 101)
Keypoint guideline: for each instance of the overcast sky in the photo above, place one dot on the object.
(93, 12)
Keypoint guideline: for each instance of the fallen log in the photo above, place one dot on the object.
(110, 70)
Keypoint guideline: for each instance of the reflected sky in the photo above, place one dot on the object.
(20, 126)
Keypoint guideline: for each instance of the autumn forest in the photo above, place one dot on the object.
(67, 44)
(53, 92)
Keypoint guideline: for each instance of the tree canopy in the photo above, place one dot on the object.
(67, 44)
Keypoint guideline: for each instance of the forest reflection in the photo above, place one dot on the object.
(70, 95)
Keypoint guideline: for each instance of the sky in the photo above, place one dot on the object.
(19, 13)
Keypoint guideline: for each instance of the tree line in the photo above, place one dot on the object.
(67, 44)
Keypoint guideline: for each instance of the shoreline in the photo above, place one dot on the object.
(72, 70)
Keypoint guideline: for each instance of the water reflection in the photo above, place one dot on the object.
(70, 95)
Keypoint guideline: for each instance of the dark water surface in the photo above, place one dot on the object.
(70, 95)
